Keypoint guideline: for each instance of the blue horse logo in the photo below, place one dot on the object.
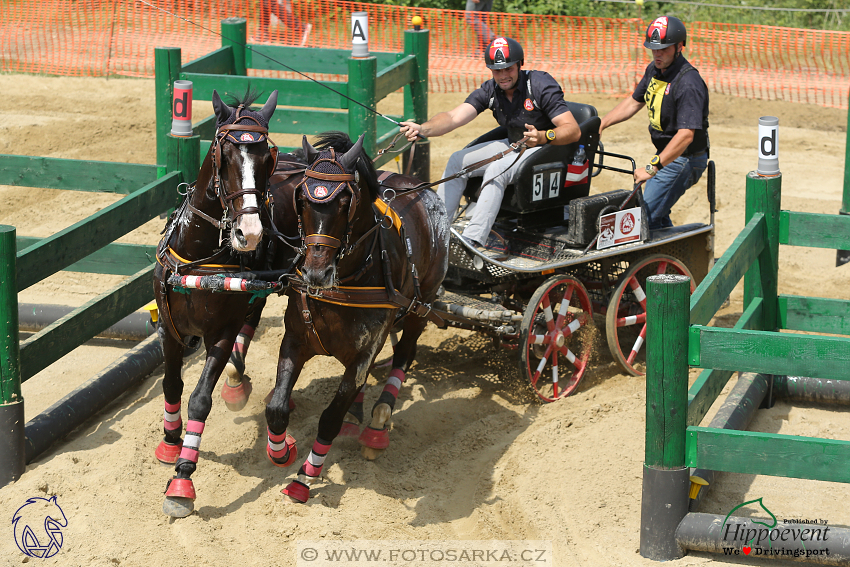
(37, 526)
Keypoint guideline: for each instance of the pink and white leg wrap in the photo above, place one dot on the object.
(243, 340)
(394, 382)
(277, 445)
(192, 441)
(172, 422)
(316, 459)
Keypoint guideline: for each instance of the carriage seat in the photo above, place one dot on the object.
(537, 196)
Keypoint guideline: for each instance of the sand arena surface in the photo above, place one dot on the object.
(473, 456)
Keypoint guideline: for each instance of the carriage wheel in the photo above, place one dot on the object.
(625, 321)
(556, 323)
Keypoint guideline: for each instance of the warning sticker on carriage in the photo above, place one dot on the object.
(618, 228)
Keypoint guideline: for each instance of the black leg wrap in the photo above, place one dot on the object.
(385, 398)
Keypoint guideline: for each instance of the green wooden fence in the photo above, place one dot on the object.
(674, 440)
(370, 79)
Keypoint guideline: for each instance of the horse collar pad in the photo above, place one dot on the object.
(325, 179)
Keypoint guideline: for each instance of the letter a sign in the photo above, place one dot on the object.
(359, 34)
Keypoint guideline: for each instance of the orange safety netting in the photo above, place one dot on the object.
(586, 55)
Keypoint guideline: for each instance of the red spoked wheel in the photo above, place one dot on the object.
(625, 321)
(556, 341)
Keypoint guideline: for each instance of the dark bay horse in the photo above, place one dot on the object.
(374, 258)
(218, 228)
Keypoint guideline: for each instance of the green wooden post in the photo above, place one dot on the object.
(184, 155)
(234, 33)
(763, 196)
(843, 256)
(362, 73)
(416, 99)
(664, 500)
(12, 450)
(167, 65)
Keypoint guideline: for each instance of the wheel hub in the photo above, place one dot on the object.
(559, 339)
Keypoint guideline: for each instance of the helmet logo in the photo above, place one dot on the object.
(321, 191)
(657, 31)
(246, 137)
(529, 105)
(499, 50)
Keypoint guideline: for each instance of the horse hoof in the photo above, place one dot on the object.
(167, 453)
(375, 438)
(297, 492)
(177, 507)
(233, 373)
(236, 397)
(268, 398)
(369, 453)
(349, 429)
(293, 453)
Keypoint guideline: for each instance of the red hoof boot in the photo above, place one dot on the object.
(297, 491)
(278, 460)
(167, 453)
(180, 487)
(349, 429)
(375, 438)
(236, 397)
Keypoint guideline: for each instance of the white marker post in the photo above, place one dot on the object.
(768, 152)
(181, 109)
(360, 34)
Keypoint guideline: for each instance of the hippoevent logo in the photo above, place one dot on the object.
(37, 526)
(793, 537)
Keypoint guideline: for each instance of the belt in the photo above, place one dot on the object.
(695, 154)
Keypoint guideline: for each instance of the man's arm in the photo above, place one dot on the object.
(566, 131)
(441, 123)
(678, 144)
(627, 108)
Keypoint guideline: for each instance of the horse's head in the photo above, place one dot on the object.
(327, 200)
(243, 162)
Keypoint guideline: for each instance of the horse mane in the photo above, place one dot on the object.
(341, 143)
(247, 99)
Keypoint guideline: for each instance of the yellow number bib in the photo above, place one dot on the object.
(654, 97)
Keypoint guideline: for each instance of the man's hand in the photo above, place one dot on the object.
(410, 130)
(534, 137)
(641, 175)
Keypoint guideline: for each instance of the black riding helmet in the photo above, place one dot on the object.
(503, 52)
(664, 32)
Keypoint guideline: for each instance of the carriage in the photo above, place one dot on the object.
(560, 280)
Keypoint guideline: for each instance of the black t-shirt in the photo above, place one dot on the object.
(538, 108)
(675, 99)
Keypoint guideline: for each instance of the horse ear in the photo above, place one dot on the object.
(222, 111)
(310, 152)
(269, 107)
(349, 159)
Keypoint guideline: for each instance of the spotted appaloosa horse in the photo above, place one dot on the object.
(372, 258)
(218, 228)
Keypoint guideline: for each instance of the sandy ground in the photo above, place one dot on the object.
(473, 455)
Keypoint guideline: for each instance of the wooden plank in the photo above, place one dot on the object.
(293, 92)
(114, 259)
(310, 60)
(751, 452)
(83, 238)
(814, 230)
(205, 128)
(55, 341)
(728, 271)
(710, 382)
(395, 76)
(308, 122)
(774, 353)
(78, 175)
(814, 314)
(219, 62)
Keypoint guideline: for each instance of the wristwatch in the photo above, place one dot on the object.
(550, 136)
(656, 161)
(651, 170)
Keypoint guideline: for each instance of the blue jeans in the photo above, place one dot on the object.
(474, 18)
(662, 191)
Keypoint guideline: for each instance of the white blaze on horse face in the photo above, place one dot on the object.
(248, 229)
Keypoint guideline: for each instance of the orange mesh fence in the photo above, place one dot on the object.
(586, 55)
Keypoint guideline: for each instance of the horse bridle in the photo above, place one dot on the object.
(346, 178)
(226, 201)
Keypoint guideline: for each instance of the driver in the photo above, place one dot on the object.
(677, 100)
(529, 103)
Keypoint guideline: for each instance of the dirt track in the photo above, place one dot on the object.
(472, 457)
